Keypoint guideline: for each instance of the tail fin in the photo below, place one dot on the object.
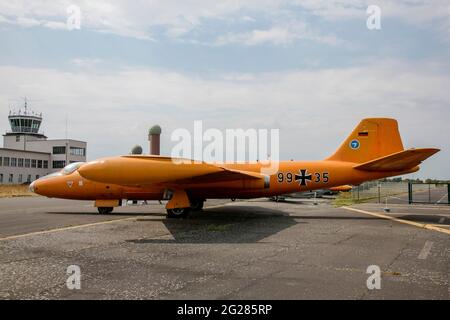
(372, 139)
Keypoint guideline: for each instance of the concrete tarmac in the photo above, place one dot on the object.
(242, 250)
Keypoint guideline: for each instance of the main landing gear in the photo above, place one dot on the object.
(105, 210)
(197, 205)
(107, 206)
(178, 213)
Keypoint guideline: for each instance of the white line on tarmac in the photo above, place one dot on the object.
(411, 223)
(444, 196)
(417, 213)
(66, 228)
(425, 251)
(394, 205)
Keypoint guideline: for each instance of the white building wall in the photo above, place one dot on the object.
(20, 141)
(38, 149)
(21, 174)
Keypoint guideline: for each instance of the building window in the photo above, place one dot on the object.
(59, 150)
(39, 164)
(17, 138)
(20, 163)
(33, 163)
(59, 164)
(45, 164)
(1, 177)
(27, 163)
(6, 161)
(11, 178)
(74, 151)
(20, 178)
(29, 178)
(1, 161)
(13, 162)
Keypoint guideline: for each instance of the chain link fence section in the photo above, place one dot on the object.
(379, 191)
(429, 193)
(404, 192)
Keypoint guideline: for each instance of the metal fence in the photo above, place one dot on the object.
(402, 192)
(430, 193)
(379, 190)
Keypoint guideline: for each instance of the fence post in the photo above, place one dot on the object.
(410, 198)
(448, 193)
(379, 192)
(429, 193)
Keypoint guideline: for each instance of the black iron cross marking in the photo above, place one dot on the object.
(304, 177)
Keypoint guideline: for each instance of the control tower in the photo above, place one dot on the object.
(25, 122)
(27, 154)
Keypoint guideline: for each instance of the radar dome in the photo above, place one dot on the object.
(155, 130)
(136, 150)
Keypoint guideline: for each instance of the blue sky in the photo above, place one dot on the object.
(309, 68)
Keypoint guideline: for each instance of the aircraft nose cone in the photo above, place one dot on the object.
(32, 186)
(36, 187)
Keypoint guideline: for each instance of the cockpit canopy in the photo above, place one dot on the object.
(71, 168)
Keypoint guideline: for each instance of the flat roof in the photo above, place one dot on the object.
(57, 140)
(25, 151)
(40, 135)
(67, 140)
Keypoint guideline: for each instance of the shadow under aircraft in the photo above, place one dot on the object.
(226, 224)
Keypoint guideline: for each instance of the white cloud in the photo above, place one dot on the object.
(412, 10)
(178, 18)
(314, 109)
(284, 34)
(125, 18)
(248, 19)
(85, 62)
(416, 12)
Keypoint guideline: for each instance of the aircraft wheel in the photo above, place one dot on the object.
(178, 213)
(105, 210)
(197, 205)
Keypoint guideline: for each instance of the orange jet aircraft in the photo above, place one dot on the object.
(374, 150)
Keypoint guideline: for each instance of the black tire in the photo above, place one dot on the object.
(105, 210)
(197, 205)
(178, 213)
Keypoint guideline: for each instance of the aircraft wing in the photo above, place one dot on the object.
(399, 161)
(143, 170)
(221, 176)
(219, 173)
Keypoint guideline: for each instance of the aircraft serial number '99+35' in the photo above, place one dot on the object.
(303, 177)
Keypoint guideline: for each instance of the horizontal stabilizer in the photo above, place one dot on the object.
(399, 161)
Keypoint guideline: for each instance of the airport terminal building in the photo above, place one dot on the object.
(28, 154)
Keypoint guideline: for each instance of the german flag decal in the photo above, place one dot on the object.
(363, 134)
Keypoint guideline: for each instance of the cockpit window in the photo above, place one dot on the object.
(72, 168)
(55, 174)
